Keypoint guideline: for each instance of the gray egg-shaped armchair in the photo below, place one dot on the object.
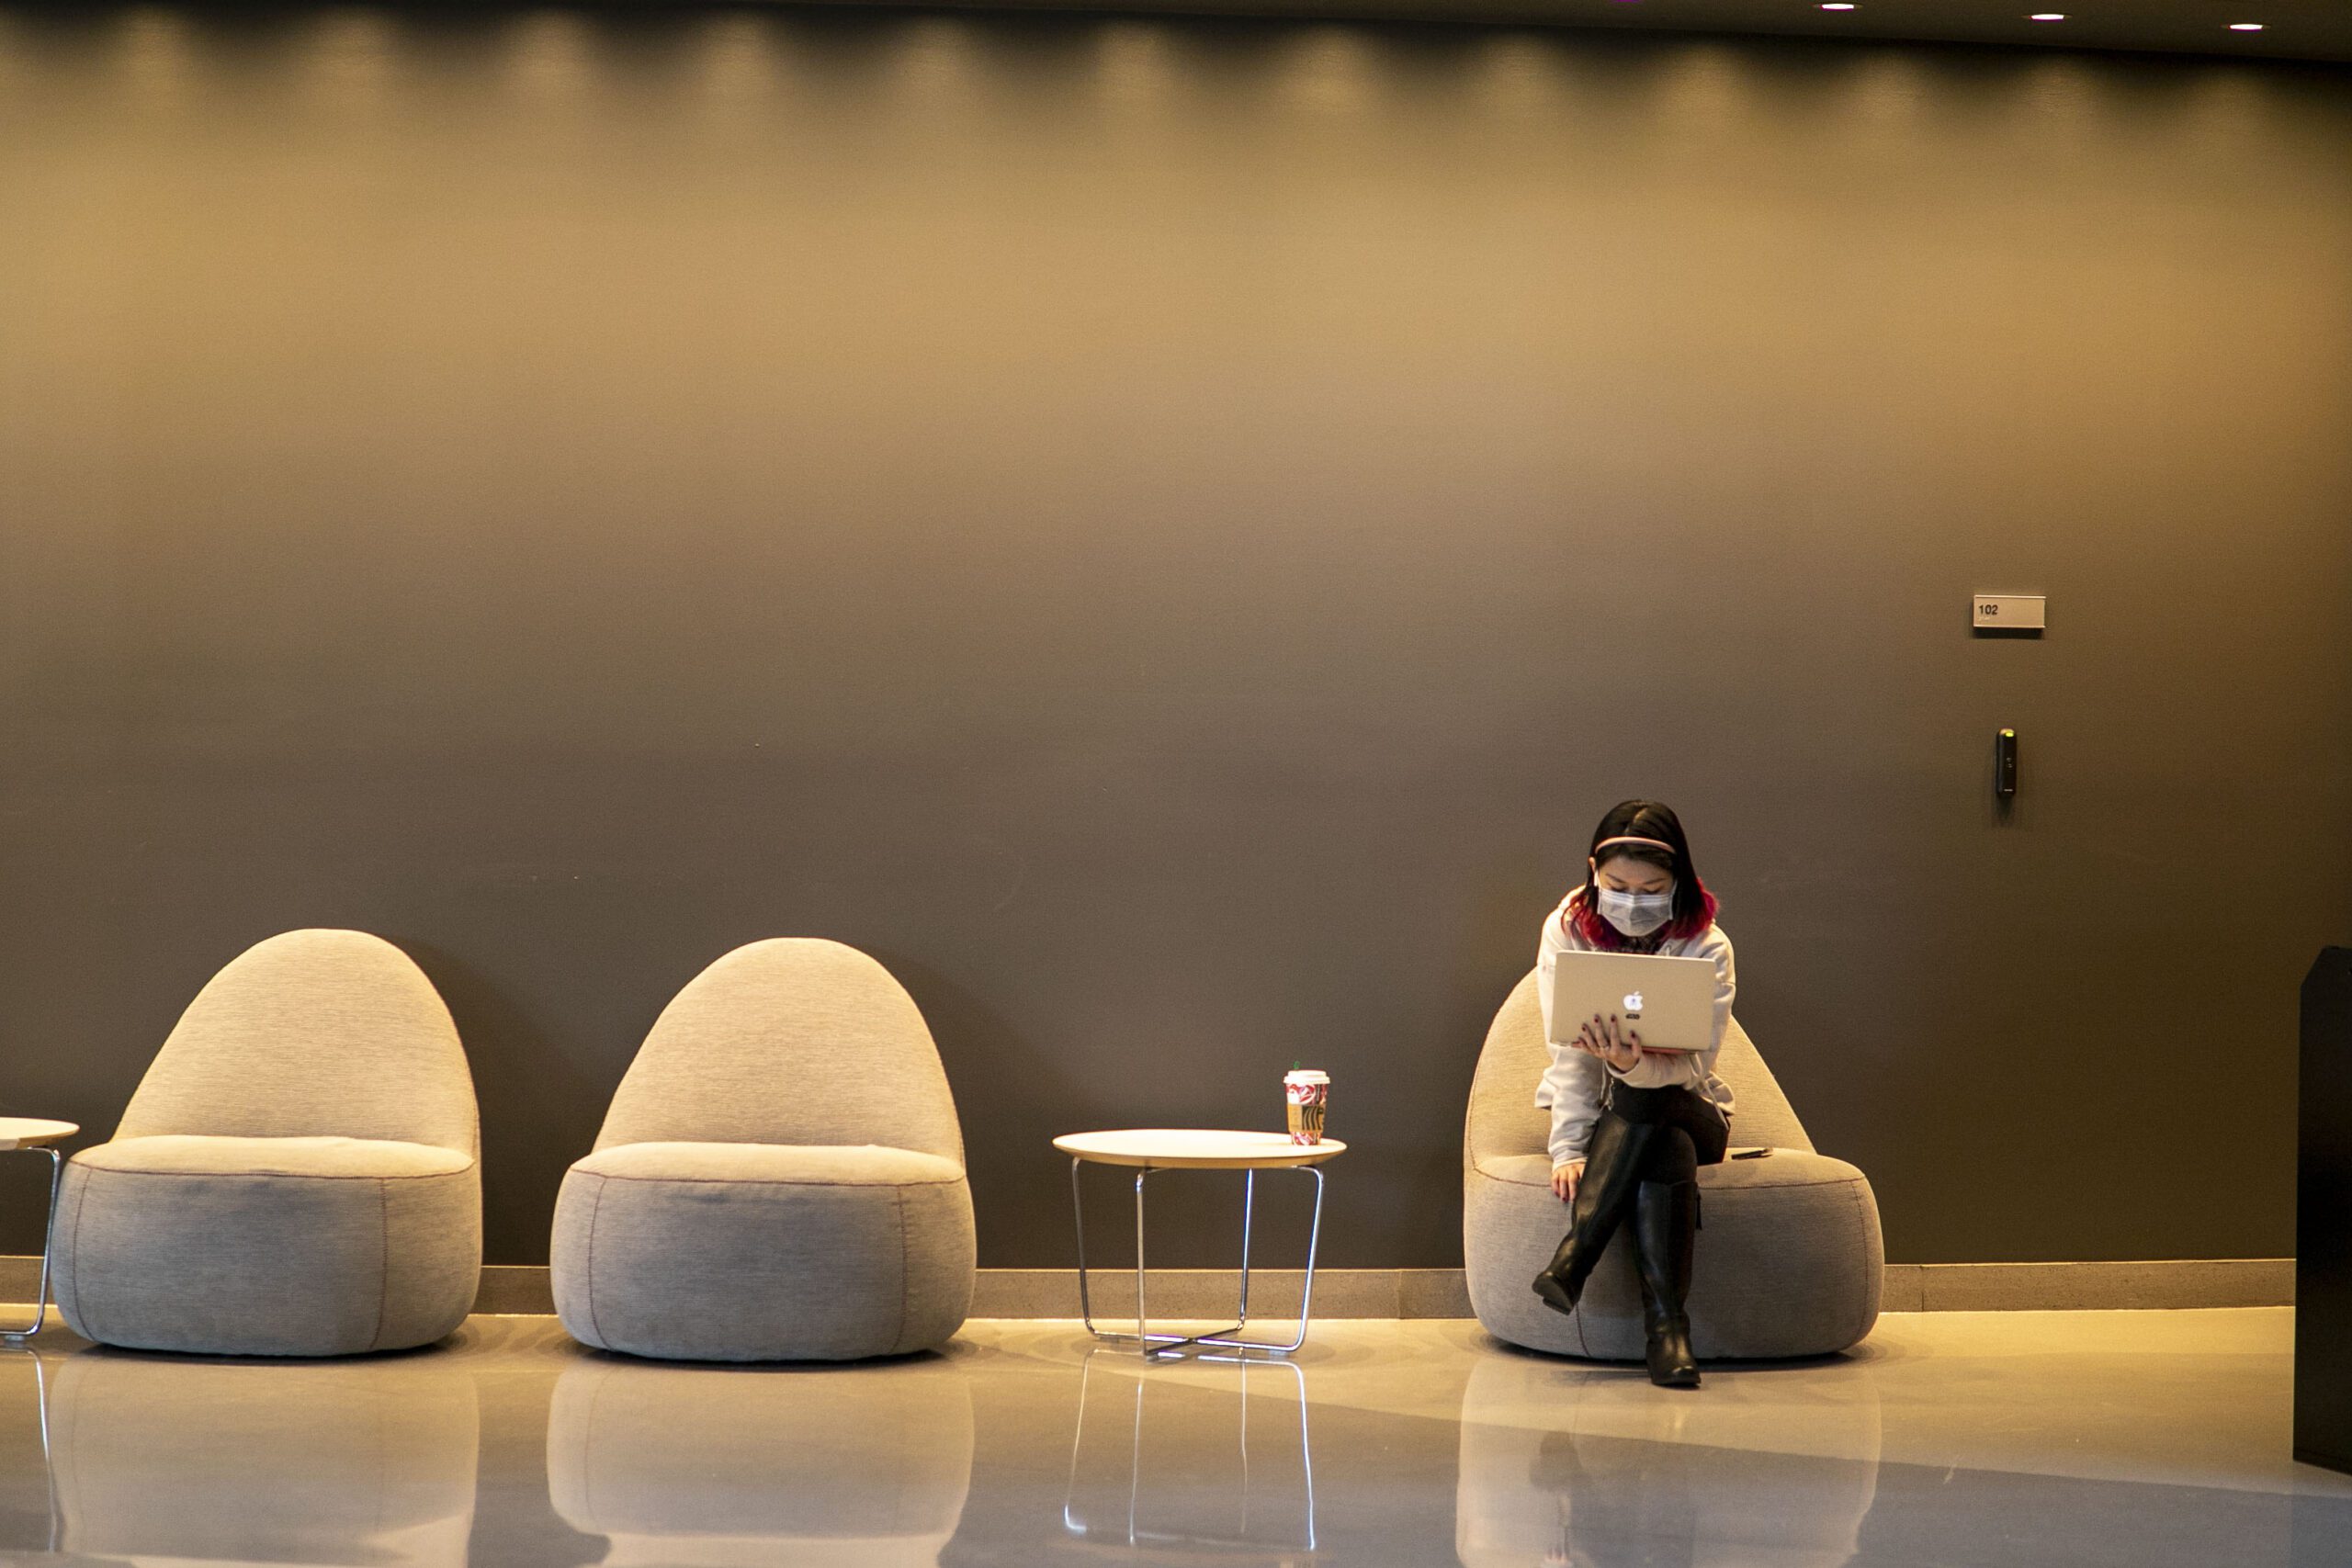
(780, 1178)
(297, 1174)
(1790, 1256)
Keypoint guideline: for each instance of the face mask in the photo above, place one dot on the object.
(1636, 914)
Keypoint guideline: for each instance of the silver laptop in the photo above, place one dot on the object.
(1669, 1002)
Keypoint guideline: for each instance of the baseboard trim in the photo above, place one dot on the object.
(2159, 1284)
(510, 1290)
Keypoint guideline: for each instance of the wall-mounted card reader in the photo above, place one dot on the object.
(2005, 764)
(2009, 612)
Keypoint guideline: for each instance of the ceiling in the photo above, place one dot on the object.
(2291, 30)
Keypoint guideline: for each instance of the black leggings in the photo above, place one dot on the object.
(1705, 1131)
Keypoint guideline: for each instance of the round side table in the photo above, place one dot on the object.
(1155, 1149)
(34, 1135)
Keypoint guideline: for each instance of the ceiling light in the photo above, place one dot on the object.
(2047, 16)
(2245, 26)
(1837, 6)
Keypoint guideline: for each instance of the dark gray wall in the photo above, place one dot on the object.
(1169, 534)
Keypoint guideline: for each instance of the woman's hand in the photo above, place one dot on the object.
(1564, 1177)
(1611, 1042)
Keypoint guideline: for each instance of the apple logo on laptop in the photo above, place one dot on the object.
(1632, 1004)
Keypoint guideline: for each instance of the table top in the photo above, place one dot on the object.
(31, 1133)
(1199, 1148)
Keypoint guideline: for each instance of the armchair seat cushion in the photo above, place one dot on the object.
(833, 1165)
(189, 1154)
(760, 1252)
(267, 1247)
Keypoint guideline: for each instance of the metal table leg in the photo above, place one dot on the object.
(17, 1338)
(1163, 1344)
(1307, 1292)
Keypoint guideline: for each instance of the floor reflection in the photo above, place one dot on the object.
(1221, 1461)
(29, 1521)
(2024, 1440)
(2009, 1452)
(1565, 1466)
(154, 1459)
(713, 1467)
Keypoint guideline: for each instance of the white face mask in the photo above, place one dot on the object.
(1636, 914)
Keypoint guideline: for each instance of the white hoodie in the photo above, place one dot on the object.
(1571, 1087)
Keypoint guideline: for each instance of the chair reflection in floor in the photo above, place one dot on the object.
(711, 1467)
(159, 1460)
(1567, 1468)
(1213, 1455)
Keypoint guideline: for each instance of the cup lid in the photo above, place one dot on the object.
(1307, 1075)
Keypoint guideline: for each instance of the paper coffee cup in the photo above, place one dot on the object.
(1306, 1092)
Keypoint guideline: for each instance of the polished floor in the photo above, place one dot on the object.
(2075, 1439)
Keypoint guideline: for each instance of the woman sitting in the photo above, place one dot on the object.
(1630, 1129)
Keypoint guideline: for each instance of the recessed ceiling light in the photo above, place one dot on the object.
(2245, 26)
(1837, 5)
(2047, 16)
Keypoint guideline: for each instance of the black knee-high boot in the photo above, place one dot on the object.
(1666, 1221)
(1612, 1167)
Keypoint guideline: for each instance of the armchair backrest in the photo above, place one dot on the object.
(313, 1034)
(1504, 1119)
(793, 1040)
